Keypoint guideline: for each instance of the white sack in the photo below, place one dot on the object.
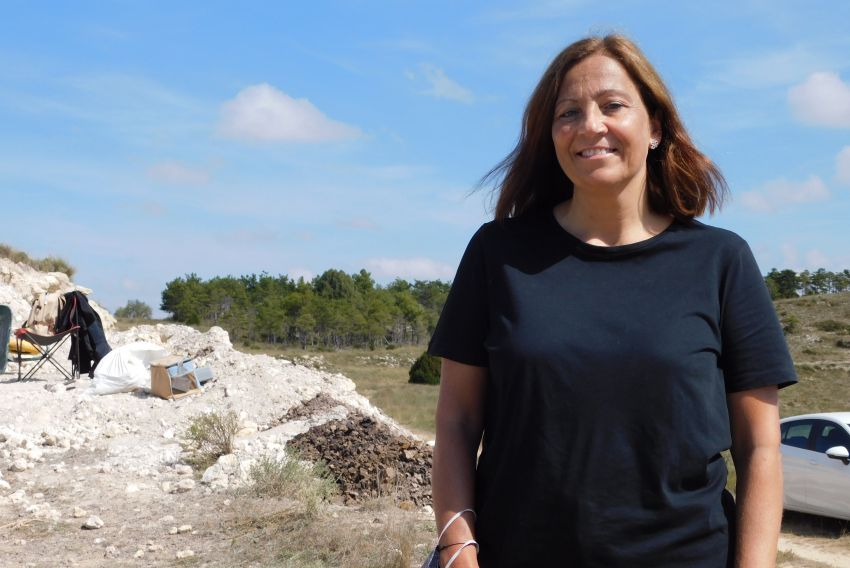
(126, 368)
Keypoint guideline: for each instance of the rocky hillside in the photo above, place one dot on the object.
(85, 478)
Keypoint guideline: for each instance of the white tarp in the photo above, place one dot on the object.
(126, 368)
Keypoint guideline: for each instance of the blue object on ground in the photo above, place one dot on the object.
(5, 335)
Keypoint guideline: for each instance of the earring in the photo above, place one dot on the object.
(653, 144)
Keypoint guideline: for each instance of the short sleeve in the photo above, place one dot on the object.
(464, 321)
(754, 353)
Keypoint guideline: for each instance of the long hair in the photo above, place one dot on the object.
(681, 180)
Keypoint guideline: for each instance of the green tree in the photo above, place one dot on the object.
(135, 309)
(782, 284)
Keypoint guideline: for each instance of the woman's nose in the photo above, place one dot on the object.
(593, 121)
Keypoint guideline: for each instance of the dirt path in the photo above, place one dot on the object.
(813, 549)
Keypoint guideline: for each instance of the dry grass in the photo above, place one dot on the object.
(786, 559)
(282, 533)
(210, 436)
(310, 484)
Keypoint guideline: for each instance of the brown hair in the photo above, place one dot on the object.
(681, 180)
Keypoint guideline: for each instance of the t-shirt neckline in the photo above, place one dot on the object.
(615, 250)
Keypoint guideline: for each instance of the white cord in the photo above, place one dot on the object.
(459, 550)
(454, 517)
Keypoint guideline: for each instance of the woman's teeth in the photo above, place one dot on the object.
(595, 152)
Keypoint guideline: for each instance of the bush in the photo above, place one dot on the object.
(209, 437)
(135, 309)
(309, 484)
(832, 325)
(425, 370)
(790, 325)
(49, 264)
(843, 344)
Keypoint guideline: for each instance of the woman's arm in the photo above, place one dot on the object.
(754, 416)
(460, 422)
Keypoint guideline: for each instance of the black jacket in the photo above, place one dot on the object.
(92, 340)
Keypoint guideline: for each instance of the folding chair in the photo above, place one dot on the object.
(47, 346)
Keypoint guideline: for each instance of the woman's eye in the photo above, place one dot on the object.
(614, 106)
(568, 114)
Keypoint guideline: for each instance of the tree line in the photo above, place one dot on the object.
(334, 309)
(789, 284)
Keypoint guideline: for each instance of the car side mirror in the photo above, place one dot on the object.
(839, 453)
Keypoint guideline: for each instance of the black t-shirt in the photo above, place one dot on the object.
(608, 370)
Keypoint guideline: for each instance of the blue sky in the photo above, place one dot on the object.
(145, 140)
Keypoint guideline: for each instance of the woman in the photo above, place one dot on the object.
(607, 346)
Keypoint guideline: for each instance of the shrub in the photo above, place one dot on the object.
(210, 436)
(790, 324)
(135, 309)
(309, 484)
(832, 325)
(843, 344)
(425, 370)
(49, 264)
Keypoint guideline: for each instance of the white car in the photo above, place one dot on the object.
(816, 463)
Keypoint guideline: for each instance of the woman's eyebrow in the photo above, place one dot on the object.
(601, 93)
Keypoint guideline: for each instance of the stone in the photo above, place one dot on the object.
(111, 551)
(154, 547)
(166, 487)
(131, 488)
(4, 484)
(139, 554)
(185, 485)
(183, 469)
(19, 464)
(93, 523)
(172, 530)
(79, 513)
(184, 529)
(18, 496)
(181, 554)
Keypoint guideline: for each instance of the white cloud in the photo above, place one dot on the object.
(771, 68)
(823, 99)
(842, 165)
(410, 268)
(177, 173)
(790, 257)
(775, 195)
(817, 259)
(262, 112)
(442, 87)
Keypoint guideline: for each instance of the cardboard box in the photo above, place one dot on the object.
(173, 377)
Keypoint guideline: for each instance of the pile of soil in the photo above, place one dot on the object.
(368, 460)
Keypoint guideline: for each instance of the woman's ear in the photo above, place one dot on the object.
(655, 129)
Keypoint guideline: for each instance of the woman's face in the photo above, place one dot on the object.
(601, 129)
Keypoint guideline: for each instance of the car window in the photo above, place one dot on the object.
(797, 434)
(829, 436)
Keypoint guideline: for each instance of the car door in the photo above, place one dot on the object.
(828, 490)
(796, 440)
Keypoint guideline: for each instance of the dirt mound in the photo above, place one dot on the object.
(368, 460)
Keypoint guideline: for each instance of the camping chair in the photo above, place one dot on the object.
(47, 346)
(5, 335)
